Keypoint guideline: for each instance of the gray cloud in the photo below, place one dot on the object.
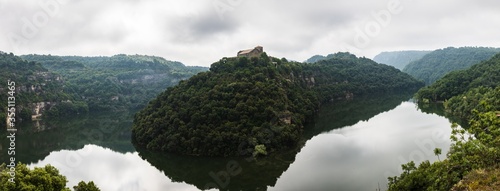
(200, 27)
(200, 32)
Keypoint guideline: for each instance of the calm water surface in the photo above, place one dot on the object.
(350, 146)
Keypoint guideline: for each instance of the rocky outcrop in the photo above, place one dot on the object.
(37, 109)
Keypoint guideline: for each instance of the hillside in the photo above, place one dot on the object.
(399, 59)
(118, 82)
(486, 73)
(317, 58)
(256, 106)
(472, 162)
(438, 63)
(36, 90)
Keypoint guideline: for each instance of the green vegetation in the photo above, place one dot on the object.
(316, 58)
(486, 74)
(475, 151)
(256, 106)
(115, 83)
(194, 169)
(71, 85)
(399, 59)
(83, 186)
(40, 178)
(480, 179)
(34, 84)
(476, 100)
(467, 154)
(438, 63)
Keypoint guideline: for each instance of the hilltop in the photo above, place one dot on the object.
(438, 63)
(59, 86)
(399, 59)
(484, 74)
(256, 105)
(118, 82)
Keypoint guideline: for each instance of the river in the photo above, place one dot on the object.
(350, 146)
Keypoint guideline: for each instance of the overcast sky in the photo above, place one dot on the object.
(200, 32)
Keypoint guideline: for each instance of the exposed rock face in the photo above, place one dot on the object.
(38, 108)
(349, 95)
(310, 81)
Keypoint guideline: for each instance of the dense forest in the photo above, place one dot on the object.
(34, 84)
(45, 178)
(399, 59)
(438, 63)
(254, 106)
(486, 73)
(193, 170)
(118, 82)
(61, 86)
(473, 160)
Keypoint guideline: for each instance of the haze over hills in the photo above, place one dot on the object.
(399, 59)
(438, 63)
(257, 106)
(58, 86)
(117, 82)
(317, 58)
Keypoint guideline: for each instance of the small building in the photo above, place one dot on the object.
(255, 52)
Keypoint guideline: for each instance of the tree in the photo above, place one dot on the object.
(45, 178)
(259, 150)
(40, 178)
(437, 152)
(82, 186)
(474, 149)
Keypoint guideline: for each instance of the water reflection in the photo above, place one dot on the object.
(36, 140)
(346, 113)
(110, 170)
(362, 156)
(438, 108)
(350, 146)
(265, 172)
(221, 173)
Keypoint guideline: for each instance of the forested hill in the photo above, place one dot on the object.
(399, 59)
(117, 82)
(486, 73)
(253, 106)
(317, 58)
(438, 63)
(472, 161)
(36, 88)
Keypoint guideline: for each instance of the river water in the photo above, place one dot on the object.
(350, 146)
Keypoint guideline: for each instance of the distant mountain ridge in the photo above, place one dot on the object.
(117, 82)
(438, 63)
(340, 55)
(399, 59)
(484, 74)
